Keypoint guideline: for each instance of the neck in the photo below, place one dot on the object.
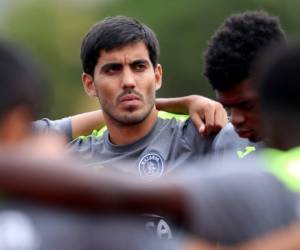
(120, 134)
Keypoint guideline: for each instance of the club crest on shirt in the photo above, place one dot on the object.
(151, 165)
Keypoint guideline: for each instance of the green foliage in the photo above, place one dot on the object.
(53, 31)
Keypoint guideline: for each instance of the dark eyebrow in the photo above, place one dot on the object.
(140, 61)
(110, 65)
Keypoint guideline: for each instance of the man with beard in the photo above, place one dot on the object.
(120, 63)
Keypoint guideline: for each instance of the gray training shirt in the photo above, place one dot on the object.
(228, 142)
(25, 226)
(236, 202)
(62, 126)
(168, 145)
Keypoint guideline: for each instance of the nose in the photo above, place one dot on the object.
(128, 80)
(236, 117)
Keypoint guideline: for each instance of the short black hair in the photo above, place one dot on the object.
(116, 32)
(22, 83)
(235, 45)
(278, 82)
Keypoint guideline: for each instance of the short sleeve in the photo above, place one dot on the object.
(62, 126)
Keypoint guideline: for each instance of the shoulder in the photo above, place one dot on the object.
(228, 139)
(87, 143)
(62, 126)
(185, 134)
(228, 132)
(213, 193)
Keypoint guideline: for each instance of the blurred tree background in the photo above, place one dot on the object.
(53, 30)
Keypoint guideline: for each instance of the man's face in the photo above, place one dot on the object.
(242, 105)
(125, 82)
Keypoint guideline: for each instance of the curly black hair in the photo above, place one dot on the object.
(235, 45)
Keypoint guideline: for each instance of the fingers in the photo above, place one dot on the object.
(209, 118)
(203, 119)
(215, 118)
(220, 119)
(199, 123)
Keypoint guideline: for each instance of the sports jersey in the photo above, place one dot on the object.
(171, 144)
(238, 201)
(228, 140)
(62, 126)
(25, 226)
(285, 165)
(224, 205)
(168, 145)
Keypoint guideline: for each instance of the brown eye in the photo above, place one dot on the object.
(112, 69)
(140, 66)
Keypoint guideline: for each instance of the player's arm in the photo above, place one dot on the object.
(85, 123)
(206, 204)
(208, 115)
(67, 184)
(73, 126)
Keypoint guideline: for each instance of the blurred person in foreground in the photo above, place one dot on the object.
(23, 97)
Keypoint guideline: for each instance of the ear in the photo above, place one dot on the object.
(158, 76)
(88, 84)
(16, 125)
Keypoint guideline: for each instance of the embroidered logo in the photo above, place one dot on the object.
(247, 150)
(151, 165)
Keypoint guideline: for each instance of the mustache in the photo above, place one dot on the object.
(129, 92)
